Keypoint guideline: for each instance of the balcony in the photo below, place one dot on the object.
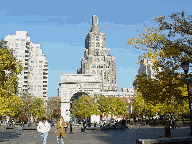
(25, 74)
(45, 68)
(25, 83)
(26, 66)
(44, 77)
(45, 72)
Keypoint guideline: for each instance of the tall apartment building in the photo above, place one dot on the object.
(97, 59)
(34, 77)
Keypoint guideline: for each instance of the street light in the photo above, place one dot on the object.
(187, 80)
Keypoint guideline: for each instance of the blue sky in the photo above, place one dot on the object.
(60, 26)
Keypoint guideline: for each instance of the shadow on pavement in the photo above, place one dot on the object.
(131, 135)
(6, 136)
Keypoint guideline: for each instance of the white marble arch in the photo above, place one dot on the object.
(66, 105)
(72, 84)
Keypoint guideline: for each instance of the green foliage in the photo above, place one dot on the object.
(84, 107)
(10, 105)
(32, 106)
(142, 107)
(9, 69)
(167, 47)
(111, 105)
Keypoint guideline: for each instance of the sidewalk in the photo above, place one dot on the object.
(90, 137)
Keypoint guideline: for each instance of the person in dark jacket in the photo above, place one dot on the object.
(123, 122)
(84, 125)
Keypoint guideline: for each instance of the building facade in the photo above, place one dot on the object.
(97, 74)
(146, 68)
(33, 79)
(97, 59)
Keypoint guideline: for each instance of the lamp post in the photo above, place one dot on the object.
(187, 80)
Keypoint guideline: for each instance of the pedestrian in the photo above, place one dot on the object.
(13, 122)
(123, 122)
(101, 124)
(71, 127)
(21, 126)
(84, 125)
(173, 124)
(43, 128)
(94, 124)
(30, 123)
(66, 127)
(155, 122)
(60, 132)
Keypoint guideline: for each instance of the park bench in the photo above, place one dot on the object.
(29, 128)
(10, 127)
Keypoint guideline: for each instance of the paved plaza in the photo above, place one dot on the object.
(128, 136)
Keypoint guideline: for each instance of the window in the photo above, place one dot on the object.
(22, 44)
(97, 37)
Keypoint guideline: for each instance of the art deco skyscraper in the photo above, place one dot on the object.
(97, 59)
(33, 77)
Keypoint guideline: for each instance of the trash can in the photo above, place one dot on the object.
(167, 131)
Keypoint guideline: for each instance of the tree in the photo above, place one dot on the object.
(167, 47)
(111, 105)
(9, 69)
(84, 107)
(32, 106)
(142, 107)
(53, 107)
(10, 105)
(118, 107)
(104, 105)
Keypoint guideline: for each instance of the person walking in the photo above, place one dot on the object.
(60, 132)
(123, 122)
(94, 124)
(84, 125)
(43, 128)
(101, 124)
(21, 126)
(66, 126)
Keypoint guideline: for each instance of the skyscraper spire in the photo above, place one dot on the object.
(94, 20)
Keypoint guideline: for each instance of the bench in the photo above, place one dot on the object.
(29, 128)
(175, 140)
(10, 127)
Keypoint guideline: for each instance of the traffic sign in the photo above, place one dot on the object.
(187, 80)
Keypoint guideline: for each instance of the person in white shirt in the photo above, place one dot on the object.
(43, 128)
